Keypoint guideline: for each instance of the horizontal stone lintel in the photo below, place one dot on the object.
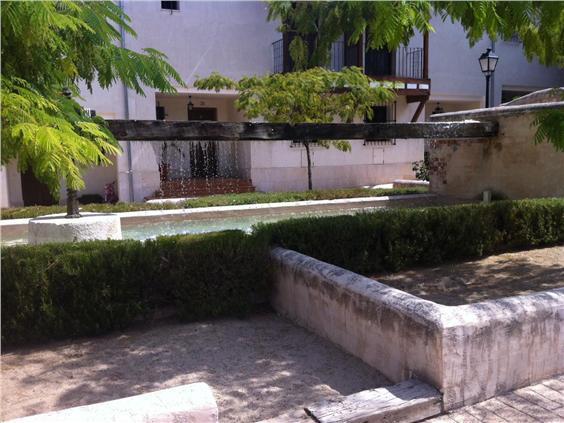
(158, 130)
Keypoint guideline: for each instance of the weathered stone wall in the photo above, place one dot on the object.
(470, 352)
(499, 345)
(510, 165)
(395, 332)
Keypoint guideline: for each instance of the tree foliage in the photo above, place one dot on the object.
(313, 96)
(540, 25)
(550, 127)
(50, 46)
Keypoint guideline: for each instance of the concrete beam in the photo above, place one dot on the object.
(158, 130)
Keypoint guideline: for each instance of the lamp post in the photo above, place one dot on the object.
(488, 62)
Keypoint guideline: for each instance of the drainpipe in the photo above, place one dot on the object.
(492, 86)
(126, 116)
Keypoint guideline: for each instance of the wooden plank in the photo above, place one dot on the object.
(534, 397)
(548, 393)
(505, 411)
(484, 415)
(463, 416)
(158, 130)
(445, 418)
(555, 384)
(407, 401)
(527, 407)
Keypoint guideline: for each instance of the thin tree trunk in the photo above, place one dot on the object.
(72, 204)
(308, 154)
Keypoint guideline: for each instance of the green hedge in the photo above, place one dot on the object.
(63, 290)
(396, 239)
(217, 200)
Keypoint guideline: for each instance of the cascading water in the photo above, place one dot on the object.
(195, 168)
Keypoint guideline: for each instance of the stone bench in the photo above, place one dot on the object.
(186, 403)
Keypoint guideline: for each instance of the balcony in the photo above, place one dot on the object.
(403, 69)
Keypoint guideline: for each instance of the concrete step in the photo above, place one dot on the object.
(406, 402)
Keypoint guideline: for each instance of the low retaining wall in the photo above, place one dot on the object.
(188, 403)
(470, 353)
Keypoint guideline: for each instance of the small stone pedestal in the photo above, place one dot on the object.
(88, 227)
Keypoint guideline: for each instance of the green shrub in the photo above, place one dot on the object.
(215, 200)
(396, 239)
(63, 290)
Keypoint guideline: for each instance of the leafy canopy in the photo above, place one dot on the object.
(316, 95)
(50, 46)
(317, 24)
(313, 96)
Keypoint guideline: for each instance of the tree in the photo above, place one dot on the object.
(48, 49)
(316, 25)
(313, 96)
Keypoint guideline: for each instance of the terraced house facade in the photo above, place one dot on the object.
(431, 73)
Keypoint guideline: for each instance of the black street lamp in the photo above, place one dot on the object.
(488, 62)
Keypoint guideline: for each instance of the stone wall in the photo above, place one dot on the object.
(469, 353)
(510, 165)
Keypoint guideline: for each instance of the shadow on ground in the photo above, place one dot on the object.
(258, 368)
(498, 276)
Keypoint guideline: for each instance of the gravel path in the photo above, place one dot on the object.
(499, 276)
(258, 368)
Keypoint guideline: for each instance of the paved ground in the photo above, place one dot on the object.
(497, 276)
(258, 368)
(543, 402)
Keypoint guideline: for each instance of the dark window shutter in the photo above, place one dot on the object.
(353, 53)
(288, 63)
(169, 5)
(380, 114)
(378, 62)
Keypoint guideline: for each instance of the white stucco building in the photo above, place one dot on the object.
(235, 39)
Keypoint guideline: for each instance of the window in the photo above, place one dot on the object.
(169, 5)
(161, 113)
(383, 113)
(89, 112)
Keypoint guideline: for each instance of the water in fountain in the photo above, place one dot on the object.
(196, 168)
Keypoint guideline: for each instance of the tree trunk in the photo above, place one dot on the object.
(72, 204)
(308, 154)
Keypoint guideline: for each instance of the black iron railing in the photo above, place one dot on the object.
(278, 55)
(409, 62)
(405, 62)
(336, 63)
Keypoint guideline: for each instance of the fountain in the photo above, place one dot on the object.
(199, 168)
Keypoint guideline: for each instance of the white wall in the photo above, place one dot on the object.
(235, 39)
(456, 76)
(281, 166)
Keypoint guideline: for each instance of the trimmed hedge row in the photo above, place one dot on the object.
(217, 200)
(396, 239)
(63, 290)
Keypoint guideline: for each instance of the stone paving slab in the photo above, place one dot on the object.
(543, 402)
